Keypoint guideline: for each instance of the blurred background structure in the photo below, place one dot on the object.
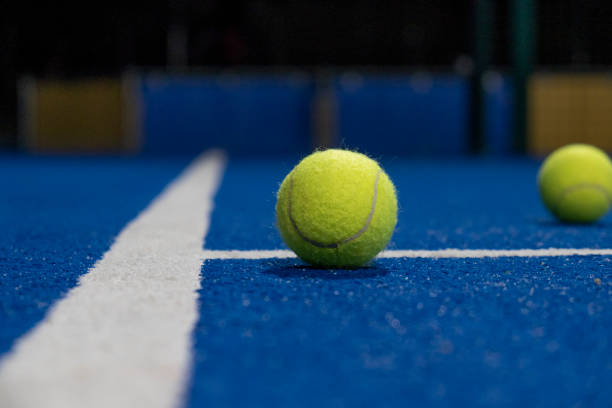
(266, 76)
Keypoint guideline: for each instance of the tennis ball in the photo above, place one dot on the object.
(336, 208)
(575, 183)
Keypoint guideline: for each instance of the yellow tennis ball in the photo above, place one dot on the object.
(575, 183)
(336, 208)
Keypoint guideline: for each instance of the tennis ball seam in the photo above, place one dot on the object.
(581, 186)
(342, 241)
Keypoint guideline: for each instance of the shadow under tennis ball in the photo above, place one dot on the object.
(292, 268)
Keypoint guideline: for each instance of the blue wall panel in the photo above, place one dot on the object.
(403, 114)
(499, 99)
(397, 114)
(260, 114)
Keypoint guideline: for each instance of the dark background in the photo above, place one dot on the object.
(99, 38)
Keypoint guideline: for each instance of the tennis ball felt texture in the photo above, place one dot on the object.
(575, 183)
(336, 208)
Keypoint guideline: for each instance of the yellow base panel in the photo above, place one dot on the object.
(74, 116)
(569, 108)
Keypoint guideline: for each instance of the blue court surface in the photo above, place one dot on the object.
(510, 331)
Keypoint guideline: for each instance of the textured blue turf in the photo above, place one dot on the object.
(459, 332)
(244, 206)
(441, 333)
(57, 217)
(443, 204)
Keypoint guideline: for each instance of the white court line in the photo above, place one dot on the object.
(122, 337)
(251, 254)
(438, 253)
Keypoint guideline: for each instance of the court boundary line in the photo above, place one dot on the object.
(122, 337)
(421, 253)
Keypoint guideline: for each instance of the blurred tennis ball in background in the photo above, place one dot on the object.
(575, 183)
(336, 208)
